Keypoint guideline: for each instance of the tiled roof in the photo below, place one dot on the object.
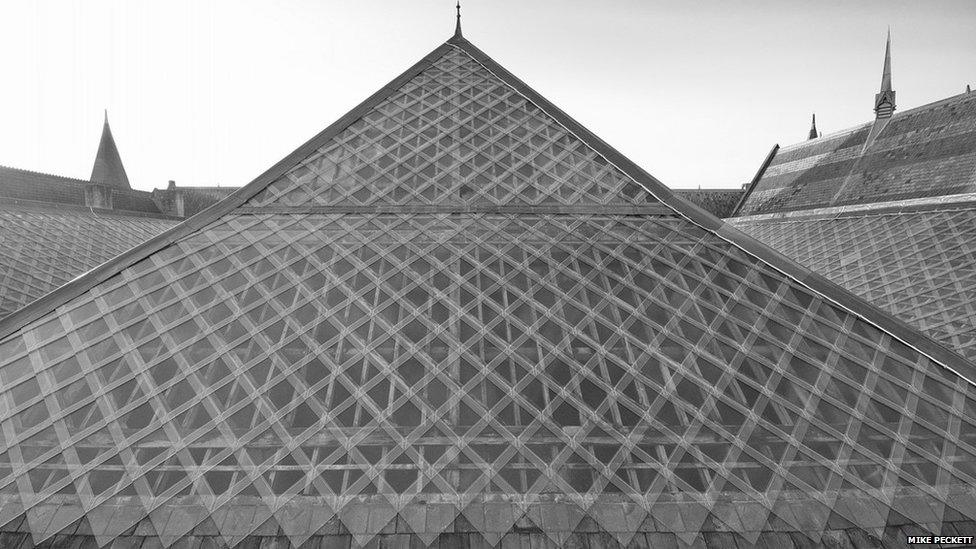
(42, 248)
(457, 306)
(272, 530)
(718, 202)
(195, 199)
(41, 187)
(18, 184)
(918, 263)
(926, 151)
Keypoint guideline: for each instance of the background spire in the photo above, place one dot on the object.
(813, 128)
(108, 169)
(886, 73)
(457, 28)
(884, 101)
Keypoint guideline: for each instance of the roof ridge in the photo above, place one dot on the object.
(824, 137)
(71, 179)
(895, 116)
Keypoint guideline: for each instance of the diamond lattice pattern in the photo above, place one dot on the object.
(41, 250)
(920, 266)
(468, 361)
(454, 135)
(460, 356)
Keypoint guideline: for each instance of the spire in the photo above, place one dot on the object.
(108, 169)
(884, 101)
(457, 28)
(813, 128)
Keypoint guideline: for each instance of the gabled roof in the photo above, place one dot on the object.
(108, 169)
(372, 332)
(925, 151)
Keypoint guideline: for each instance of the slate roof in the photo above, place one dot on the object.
(456, 309)
(43, 248)
(195, 199)
(718, 202)
(530, 533)
(916, 261)
(926, 151)
(48, 236)
(18, 185)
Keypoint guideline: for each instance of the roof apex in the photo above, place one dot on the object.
(457, 27)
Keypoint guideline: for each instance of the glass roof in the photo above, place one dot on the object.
(918, 265)
(42, 249)
(361, 333)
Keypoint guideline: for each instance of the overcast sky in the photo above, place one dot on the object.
(215, 92)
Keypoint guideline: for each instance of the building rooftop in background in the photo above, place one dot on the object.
(885, 209)
(457, 317)
(925, 151)
(54, 228)
(915, 259)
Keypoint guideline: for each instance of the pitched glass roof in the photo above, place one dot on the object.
(458, 305)
(42, 248)
(918, 263)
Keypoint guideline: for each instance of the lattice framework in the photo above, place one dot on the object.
(371, 342)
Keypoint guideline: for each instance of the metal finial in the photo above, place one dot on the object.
(457, 29)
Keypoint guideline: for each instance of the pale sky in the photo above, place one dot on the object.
(215, 92)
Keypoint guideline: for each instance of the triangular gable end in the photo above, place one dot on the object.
(301, 337)
(456, 134)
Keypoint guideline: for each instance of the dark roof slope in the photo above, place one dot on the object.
(718, 202)
(24, 185)
(195, 199)
(926, 151)
(43, 248)
(456, 309)
(21, 184)
(916, 262)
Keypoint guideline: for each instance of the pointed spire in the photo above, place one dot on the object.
(884, 101)
(886, 74)
(813, 128)
(108, 169)
(457, 28)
